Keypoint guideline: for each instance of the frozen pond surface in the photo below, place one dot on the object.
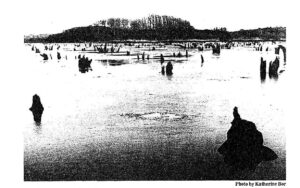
(124, 120)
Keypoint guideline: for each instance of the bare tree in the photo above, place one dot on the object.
(111, 22)
(117, 23)
(103, 22)
(124, 23)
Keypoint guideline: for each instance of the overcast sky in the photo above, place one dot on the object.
(54, 16)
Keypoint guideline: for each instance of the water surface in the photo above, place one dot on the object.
(124, 120)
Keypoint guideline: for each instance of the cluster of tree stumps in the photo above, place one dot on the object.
(104, 49)
(167, 69)
(273, 66)
(84, 64)
(216, 49)
(142, 56)
(46, 56)
(272, 71)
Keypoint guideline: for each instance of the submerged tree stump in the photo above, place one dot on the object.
(244, 148)
(169, 68)
(263, 65)
(36, 108)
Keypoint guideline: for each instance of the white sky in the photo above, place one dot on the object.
(46, 16)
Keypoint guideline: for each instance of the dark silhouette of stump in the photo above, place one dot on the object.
(118, 50)
(283, 50)
(169, 68)
(112, 49)
(201, 48)
(216, 49)
(45, 56)
(273, 68)
(105, 50)
(163, 70)
(179, 54)
(162, 60)
(58, 56)
(263, 65)
(277, 50)
(244, 148)
(84, 64)
(37, 108)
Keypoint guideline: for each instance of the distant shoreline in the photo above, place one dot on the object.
(116, 35)
(170, 41)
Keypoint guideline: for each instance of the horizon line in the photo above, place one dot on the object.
(194, 28)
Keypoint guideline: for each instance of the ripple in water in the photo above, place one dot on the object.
(156, 116)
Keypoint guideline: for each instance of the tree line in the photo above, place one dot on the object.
(155, 27)
(153, 21)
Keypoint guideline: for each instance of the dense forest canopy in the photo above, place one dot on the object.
(154, 27)
(150, 22)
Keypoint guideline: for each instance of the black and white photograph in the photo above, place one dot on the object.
(152, 91)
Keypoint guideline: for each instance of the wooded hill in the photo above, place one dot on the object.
(155, 27)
